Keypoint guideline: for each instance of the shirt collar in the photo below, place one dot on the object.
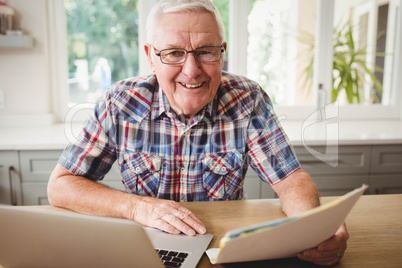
(160, 104)
(210, 109)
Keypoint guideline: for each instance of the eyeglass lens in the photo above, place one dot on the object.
(203, 54)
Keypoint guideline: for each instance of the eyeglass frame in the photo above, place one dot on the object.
(158, 53)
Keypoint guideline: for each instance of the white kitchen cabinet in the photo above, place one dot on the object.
(266, 191)
(386, 159)
(386, 184)
(330, 161)
(336, 171)
(335, 185)
(34, 193)
(255, 188)
(36, 167)
(10, 192)
(24, 173)
(386, 170)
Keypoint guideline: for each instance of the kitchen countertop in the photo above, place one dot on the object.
(300, 133)
(344, 132)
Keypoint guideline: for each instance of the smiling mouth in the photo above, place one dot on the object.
(192, 86)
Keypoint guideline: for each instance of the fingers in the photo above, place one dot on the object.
(326, 258)
(182, 219)
(175, 223)
(168, 216)
(338, 241)
(164, 226)
(330, 251)
(192, 220)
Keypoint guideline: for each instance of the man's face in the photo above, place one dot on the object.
(191, 85)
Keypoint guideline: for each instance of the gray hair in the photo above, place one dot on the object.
(170, 6)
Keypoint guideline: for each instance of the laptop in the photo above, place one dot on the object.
(45, 236)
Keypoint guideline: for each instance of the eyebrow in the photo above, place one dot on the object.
(177, 46)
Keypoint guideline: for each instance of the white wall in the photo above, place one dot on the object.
(23, 71)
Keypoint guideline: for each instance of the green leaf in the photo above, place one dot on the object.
(349, 65)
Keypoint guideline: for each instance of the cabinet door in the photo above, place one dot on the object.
(36, 167)
(35, 193)
(386, 184)
(251, 185)
(386, 169)
(10, 192)
(346, 159)
(255, 188)
(335, 185)
(386, 159)
(266, 191)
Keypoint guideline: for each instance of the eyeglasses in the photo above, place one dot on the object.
(179, 55)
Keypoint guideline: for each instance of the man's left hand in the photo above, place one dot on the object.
(328, 252)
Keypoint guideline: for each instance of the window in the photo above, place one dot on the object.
(102, 39)
(373, 26)
(272, 44)
(281, 34)
(281, 72)
(223, 7)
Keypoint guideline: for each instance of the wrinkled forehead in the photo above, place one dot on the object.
(186, 29)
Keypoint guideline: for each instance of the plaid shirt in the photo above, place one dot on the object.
(161, 155)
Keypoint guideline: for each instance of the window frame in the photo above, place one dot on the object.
(57, 57)
(238, 36)
(323, 52)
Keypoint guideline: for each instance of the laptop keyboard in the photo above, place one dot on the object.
(172, 258)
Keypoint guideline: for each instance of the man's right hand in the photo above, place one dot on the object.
(166, 215)
(89, 197)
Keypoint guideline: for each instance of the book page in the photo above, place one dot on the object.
(285, 237)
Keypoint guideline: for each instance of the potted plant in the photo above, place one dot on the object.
(349, 65)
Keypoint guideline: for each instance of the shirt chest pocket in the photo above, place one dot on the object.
(223, 175)
(143, 173)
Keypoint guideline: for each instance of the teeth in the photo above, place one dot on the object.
(192, 86)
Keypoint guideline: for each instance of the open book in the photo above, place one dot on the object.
(284, 238)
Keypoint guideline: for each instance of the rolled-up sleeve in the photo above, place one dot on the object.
(270, 152)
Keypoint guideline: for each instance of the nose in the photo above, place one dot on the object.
(191, 66)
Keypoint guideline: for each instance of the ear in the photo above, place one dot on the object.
(225, 45)
(148, 52)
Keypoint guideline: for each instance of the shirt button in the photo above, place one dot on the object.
(138, 169)
(182, 169)
(223, 169)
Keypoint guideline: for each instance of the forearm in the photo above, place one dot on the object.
(297, 193)
(86, 196)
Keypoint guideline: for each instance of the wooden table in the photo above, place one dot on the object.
(374, 225)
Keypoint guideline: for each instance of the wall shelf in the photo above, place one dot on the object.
(16, 41)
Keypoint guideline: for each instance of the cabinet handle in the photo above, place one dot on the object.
(319, 161)
(310, 161)
(11, 169)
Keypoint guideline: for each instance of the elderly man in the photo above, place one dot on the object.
(187, 132)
